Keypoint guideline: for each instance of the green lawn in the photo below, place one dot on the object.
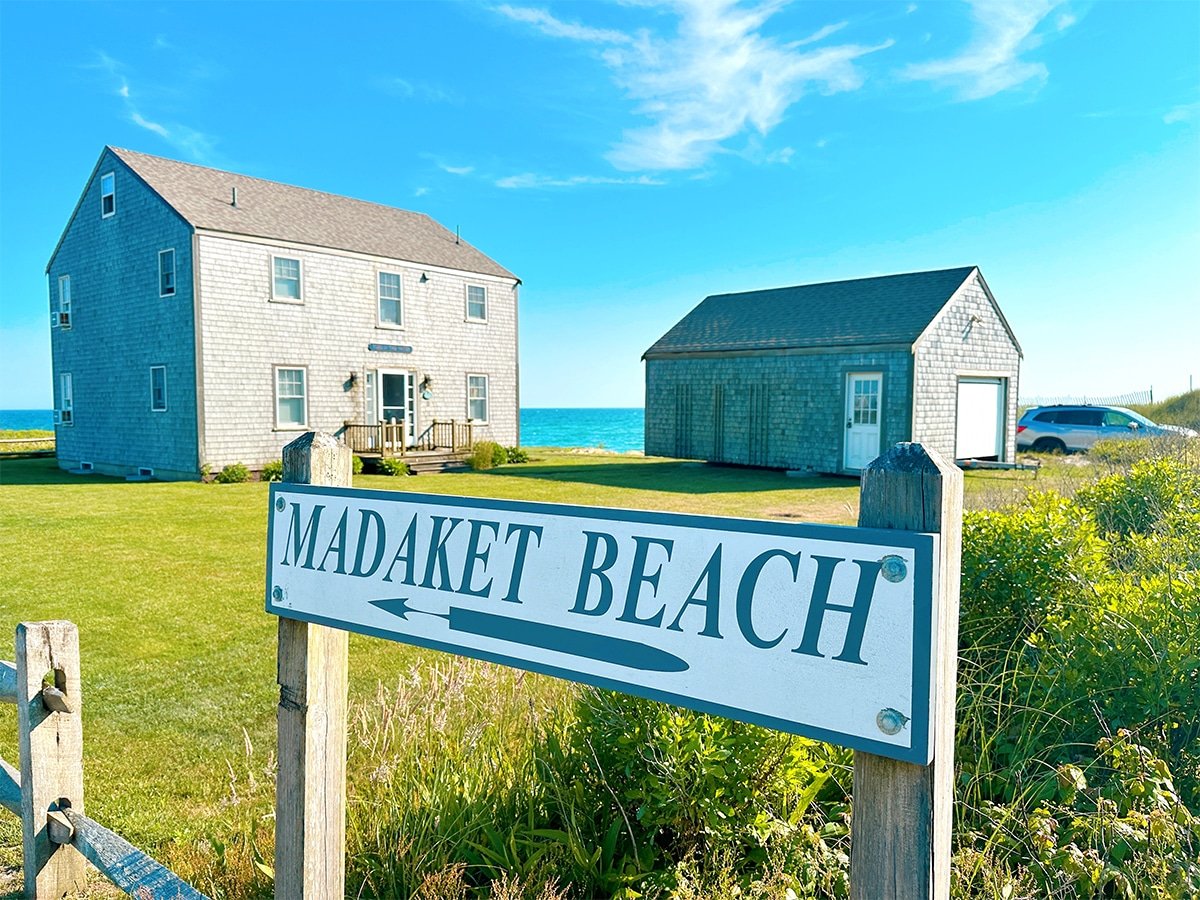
(165, 582)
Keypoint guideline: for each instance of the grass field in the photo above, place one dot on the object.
(165, 583)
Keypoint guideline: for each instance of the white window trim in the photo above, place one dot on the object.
(113, 176)
(65, 412)
(275, 393)
(62, 318)
(487, 398)
(275, 298)
(164, 380)
(379, 298)
(174, 279)
(467, 303)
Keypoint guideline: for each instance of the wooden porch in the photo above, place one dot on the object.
(442, 443)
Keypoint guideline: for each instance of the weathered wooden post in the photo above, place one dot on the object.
(900, 838)
(310, 788)
(50, 733)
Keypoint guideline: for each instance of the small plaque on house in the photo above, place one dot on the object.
(390, 348)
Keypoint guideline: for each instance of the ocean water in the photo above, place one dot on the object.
(614, 429)
(26, 419)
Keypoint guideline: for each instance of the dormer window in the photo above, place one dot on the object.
(108, 195)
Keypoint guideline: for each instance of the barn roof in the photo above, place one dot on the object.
(888, 309)
(268, 209)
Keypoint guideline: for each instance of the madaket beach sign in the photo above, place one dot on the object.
(824, 631)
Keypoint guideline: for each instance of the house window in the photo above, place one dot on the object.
(66, 400)
(287, 279)
(166, 273)
(390, 310)
(290, 399)
(477, 398)
(476, 303)
(158, 388)
(108, 195)
(63, 316)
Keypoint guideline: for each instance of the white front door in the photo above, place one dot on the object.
(862, 418)
(397, 402)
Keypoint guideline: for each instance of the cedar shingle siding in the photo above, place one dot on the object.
(221, 335)
(760, 378)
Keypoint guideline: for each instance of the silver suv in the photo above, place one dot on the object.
(1062, 429)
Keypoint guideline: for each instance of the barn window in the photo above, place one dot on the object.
(866, 402)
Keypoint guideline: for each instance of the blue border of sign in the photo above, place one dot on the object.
(925, 554)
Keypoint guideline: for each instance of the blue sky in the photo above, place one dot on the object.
(626, 159)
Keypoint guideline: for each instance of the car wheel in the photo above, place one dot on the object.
(1049, 445)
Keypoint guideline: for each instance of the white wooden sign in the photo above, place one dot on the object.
(818, 630)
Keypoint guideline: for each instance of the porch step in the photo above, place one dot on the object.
(427, 465)
(423, 462)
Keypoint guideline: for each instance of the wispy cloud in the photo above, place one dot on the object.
(195, 144)
(554, 27)
(992, 60)
(139, 119)
(530, 180)
(456, 170)
(716, 78)
(414, 90)
(1185, 112)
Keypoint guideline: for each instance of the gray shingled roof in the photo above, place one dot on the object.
(890, 309)
(267, 209)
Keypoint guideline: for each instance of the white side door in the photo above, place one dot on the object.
(863, 412)
(979, 431)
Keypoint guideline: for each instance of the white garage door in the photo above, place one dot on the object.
(980, 429)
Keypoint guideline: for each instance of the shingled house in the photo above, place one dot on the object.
(201, 318)
(823, 377)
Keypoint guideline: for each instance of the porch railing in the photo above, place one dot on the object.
(390, 439)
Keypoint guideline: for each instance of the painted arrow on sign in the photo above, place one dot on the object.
(601, 647)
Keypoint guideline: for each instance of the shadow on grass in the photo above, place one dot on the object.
(675, 477)
(46, 471)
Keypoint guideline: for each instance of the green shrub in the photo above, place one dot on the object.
(234, 473)
(272, 471)
(1155, 493)
(517, 455)
(677, 787)
(389, 465)
(1023, 563)
(1122, 832)
(357, 465)
(487, 455)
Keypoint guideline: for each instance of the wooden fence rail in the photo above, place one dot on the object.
(388, 438)
(47, 791)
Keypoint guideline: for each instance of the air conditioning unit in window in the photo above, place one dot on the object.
(64, 319)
